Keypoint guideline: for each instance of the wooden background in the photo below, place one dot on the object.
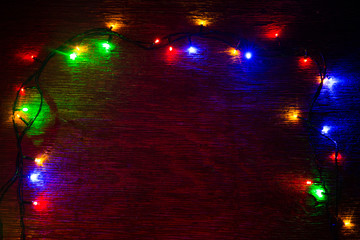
(152, 145)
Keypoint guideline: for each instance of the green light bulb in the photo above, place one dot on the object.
(106, 46)
(73, 56)
(25, 109)
(318, 192)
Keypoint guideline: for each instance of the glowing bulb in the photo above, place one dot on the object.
(192, 50)
(17, 115)
(329, 82)
(202, 22)
(113, 25)
(248, 55)
(73, 56)
(347, 223)
(38, 161)
(320, 193)
(339, 157)
(233, 52)
(157, 40)
(276, 35)
(34, 177)
(308, 182)
(305, 60)
(77, 48)
(22, 89)
(106, 46)
(35, 203)
(25, 109)
(170, 48)
(325, 129)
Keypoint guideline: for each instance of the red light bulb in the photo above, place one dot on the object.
(170, 48)
(308, 182)
(276, 35)
(157, 40)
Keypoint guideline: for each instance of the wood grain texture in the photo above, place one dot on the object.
(152, 145)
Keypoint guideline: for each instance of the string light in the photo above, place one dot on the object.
(319, 192)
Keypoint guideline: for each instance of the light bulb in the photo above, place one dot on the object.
(248, 55)
(192, 50)
(106, 46)
(34, 177)
(73, 56)
(325, 129)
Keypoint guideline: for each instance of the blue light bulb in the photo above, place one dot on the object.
(192, 50)
(325, 129)
(248, 55)
(34, 177)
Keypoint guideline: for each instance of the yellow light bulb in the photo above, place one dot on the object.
(293, 115)
(347, 223)
(233, 52)
(113, 25)
(202, 22)
(40, 160)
